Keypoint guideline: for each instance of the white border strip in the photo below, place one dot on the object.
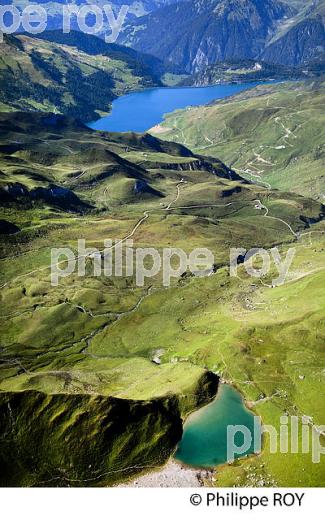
(85, 504)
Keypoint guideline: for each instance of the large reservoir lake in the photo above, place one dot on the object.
(140, 111)
(204, 441)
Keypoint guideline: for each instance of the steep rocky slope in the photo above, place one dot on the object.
(300, 39)
(82, 439)
(195, 34)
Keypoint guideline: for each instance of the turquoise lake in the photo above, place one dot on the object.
(140, 111)
(204, 441)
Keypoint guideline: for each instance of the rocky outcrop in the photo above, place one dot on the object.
(198, 164)
(53, 195)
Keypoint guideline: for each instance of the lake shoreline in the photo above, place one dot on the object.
(270, 81)
(139, 111)
(206, 434)
(178, 474)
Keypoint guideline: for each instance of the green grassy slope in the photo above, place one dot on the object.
(273, 135)
(70, 352)
(86, 438)
(73, 75)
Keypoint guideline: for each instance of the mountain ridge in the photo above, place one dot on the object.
(195, 34)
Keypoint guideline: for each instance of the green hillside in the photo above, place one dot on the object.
(79, 360)
(74, 74)
(272, 135)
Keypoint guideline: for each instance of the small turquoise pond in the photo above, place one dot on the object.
(204, 442)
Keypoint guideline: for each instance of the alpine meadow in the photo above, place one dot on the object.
(162, 231)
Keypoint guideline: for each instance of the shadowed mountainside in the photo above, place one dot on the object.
(195, 34)
(75, 74)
